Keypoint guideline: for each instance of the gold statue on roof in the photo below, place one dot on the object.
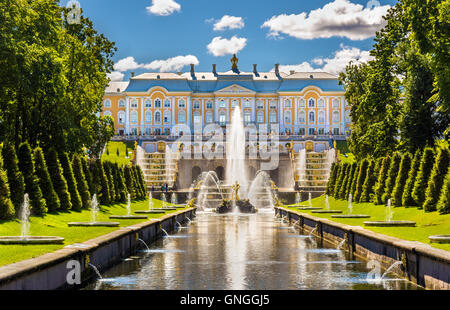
(234, 62)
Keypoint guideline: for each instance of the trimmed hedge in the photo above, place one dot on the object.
(407, 198)
(340, 180)
(129, 181)
(71, 182)
(369, 182)
(443, 204)
(103, 184)
(353, 168)
(87, 175)
(82, 185)
(15, 177)
(45, 182)
(341, 193)
(400, 181)
(355, 179)
(391, 177)
(108, 173)
(361, 178)
(6, 206)
(421, 184)
(58, 180)
(381, 182)
(121, 184)
(436, 180)
(332, 179)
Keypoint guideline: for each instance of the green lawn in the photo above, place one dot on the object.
(427, 224)
(112, 148)
(56, 225)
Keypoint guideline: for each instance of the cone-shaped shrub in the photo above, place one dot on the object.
(136, 185)
(26, 165)
(436, 180)
(332, 179)
(142, 181)
(95, 178)
(340, 180)
(71, 182)
(121, 184)
(354, 180)
(87, 175)
(104, 196)
(391, 177)
(115, 173)
(45, 182)
(15, 177)
(369, 182)
(129, 182)
(58, 180)
(381, 182)
(82, 185)
(348, 186)
(421, 183)
(108, 173)
(361, 178)
(341, 193)
(407, 199)
(6, 206)
(400, 181)
(443, 204)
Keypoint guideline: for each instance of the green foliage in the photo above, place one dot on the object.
(45, 182)
(348, 187)
(355, 179)
(332, 180)
(26, 165)
(15, 177)
(6, 205)
(109, 176)
(436, 179)
(421, 183)
(407, 198)
(369, 182)
(129, 181)
(71, 182)
(58, 180)
(82, 185)
(102, 183)
(339, 180)
(136, 185)
(381, 182)
(391, 177)
(121, 184)
(87, 175)
(341, 192)
(141, 181)
(443, 204)
(361, 178)
(400, 181)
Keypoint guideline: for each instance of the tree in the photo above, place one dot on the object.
(15, 177)
(129, 182)
(443, 204)
(341, 192)
(332, 179)
(82, 185)
(421, 183)
(353, 168)
(407, 199)
(58, 180)
(355, 179)
(26, 165)
(71, 182)
(381, 182)
(436, 179)
(136, 185)
(391, 177)
(400, 181)
(87, 175)
(369, 182)
(104, 196)
(45, 182)
(121, 184)
(361, 178)
(108, 173)
(6, 205)
(339, 180)
(142, 182)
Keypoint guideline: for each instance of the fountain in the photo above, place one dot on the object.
(151, 209)
(389, 270)
(439, 239)
(341, 244)
(128, 216)
(93, 222)
(260, 193)
(350, 211)
(25, 238)
(95, 270)
(388, 222)
(309, 207)
(143, 242)
(327, 203)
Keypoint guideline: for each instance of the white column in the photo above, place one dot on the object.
(189, 114)
(127, 112)
(280, 113)
(172, 106)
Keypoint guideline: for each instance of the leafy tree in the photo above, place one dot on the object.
(26, 165)
(436, 179)
(71, 182)
(6, 205)
(407, 199)
(82, 185)
(58, 180)
(400, 181)
(369, 182)
(391, 177)
(381, 182)
(45, 182)
(443, 204)
(15, 177)
(102, 179)
(421, 183)
(117, 152)
(361, 178)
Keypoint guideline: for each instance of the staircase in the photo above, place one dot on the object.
(158, 168)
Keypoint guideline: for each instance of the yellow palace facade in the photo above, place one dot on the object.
(300, 104)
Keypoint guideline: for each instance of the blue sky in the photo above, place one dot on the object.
(325, 37)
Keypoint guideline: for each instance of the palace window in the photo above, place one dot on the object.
(336, 117)
(321, 117)
(336, 131)
(234, 103)
(273, 117)
(287, 103)
(273, 104)
(301, 131)
(209, 104)
(167, 103)
(121, 117)
(158, 116)
(209, 117)
(321, 131)
(166, 117)
(302, 103)
(148, 117)
(247, 117)
(134, 103)
(134, 117)
(197, 118)
(247, 103)
(302, 117)
(287, 118)
(321, 103)
(312, 117)
(222, 104)
(260, 104)
(157, 103)
(260, 117)
(311, 103)
(336, 103)
(121, 103)
(148, 131)
(181, 103)
(148, 103)
(222, 119)
(107, 113)
(311, 131)
(107, 103)
(196, 104)
(181, 117)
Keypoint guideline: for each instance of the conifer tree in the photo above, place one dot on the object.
(136, 183)
(104, 196)
(350, 179)
(381, 182)
(121, 184)
(87, 175)
(6, 206)
(129, 182)
(369, 182)
(71, 182)
(361, 178)
(94, 178)
(436, 180)
(108, 173)
(141, 179)
(26, 165)
(336, 183)
(443, 204)
(407, 199)
(332, 179)
(341, 193)
(82, 185)
(45, 182)
(421, 183)
(15, 177)
(355, 179)
(115, 176)
(58, 180)
(402, 176)
(391, 177)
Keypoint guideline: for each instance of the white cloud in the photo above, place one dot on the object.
(333, 65)
(229, 22)
(163, 7)
(222, 47)
(126, 64)
(116, 76)
(172, 64)
(339, 18)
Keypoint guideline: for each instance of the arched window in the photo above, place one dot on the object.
(311, 103)
(209, 104)
(321, 117)
(134, 103)
(148, 117)
(157, 103)
(107, 113)
(148, 103)
(336, 117)
(181, 103)
(247, 103)
(312, 117)
(157, 116)
(302, 103)
(247, 117)
(222, 104)
(121, 117)
(196, 104)
(302, 117)
(336, 103)
(234, 103)
(166, 117)
(273, 104)
(134, 117)
(287, 103)
(197, 118)
(121, 103)
(321, 103)
(107, 103)
(222, 118)
(287, 118)
(167, 103)
(260, 117)
(209, 117)
(260, 104)
(273, 117)
(181, 117)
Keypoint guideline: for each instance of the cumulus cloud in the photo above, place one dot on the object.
(229, 22)
(126, 64)
(333, 65)
(339, 18)
(172, 64)
(220, 46)
(116, 76)
(163, 7)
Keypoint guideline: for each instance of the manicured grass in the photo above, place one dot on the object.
(427, 224)
(121, 159)
(56, 225)
(347, 158)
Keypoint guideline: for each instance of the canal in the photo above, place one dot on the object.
(241, 252)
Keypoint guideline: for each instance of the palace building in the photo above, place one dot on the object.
(297, 103)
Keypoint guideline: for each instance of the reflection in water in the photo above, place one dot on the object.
(241, 252)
